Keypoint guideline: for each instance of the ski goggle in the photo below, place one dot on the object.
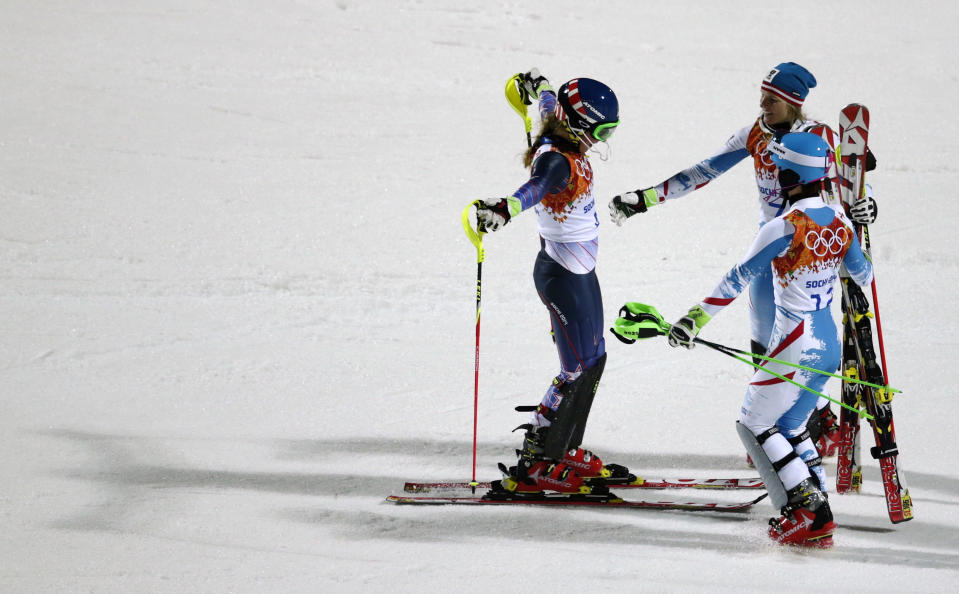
(602, 132)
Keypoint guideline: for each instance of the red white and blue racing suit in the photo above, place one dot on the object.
(804, 249)
(560, 192)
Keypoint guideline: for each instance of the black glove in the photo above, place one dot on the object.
(492, 214)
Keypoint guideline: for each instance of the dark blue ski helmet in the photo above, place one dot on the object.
(589, 108)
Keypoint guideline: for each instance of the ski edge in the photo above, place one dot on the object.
(565, 501)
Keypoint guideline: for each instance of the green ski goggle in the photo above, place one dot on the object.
(602, 132)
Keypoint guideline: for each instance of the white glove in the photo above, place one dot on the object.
(534, 83)
(682, 333)
(685, 330)
(626, 205)
(492, 214)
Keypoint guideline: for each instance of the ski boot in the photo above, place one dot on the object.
(534, 473)
(806, 519)
(595, 473)
(828, 441)
(586, 463)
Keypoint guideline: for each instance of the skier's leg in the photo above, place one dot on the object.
(552, 437)
(574, 302)
(767, 399)
(821, 350)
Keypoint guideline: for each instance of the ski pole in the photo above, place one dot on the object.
(875, 306)
(719, 347)
(651, 323)
(476, 238)
(844, 378)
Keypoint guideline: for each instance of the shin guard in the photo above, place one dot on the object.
(774, 485)
(567, 427)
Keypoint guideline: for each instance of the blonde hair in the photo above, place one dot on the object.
(796, 113)
(559, 136)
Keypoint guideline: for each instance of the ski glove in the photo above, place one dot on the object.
(492, 214)
(626, 205)
(533, 83)
(685, 330)
(864, 212)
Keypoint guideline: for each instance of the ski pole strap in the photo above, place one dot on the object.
(475, 236)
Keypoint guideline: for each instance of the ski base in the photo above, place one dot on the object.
(576, 500)
(637, 483)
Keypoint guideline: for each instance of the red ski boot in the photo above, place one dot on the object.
(806, 520)
(551, 476)
(534, 473)
(828, 442)
(586, 463)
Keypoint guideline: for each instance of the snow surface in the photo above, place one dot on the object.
(238, 305)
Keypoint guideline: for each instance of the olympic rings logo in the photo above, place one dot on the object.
(827, 241)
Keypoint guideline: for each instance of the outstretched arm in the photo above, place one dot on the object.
(772, 240)
(692, 178)
(550, 174)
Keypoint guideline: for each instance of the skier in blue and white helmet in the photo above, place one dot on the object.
(783, 92)
(803, 248)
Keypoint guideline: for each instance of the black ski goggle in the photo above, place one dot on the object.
(788, 179)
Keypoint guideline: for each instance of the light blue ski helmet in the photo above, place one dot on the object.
(804, 153)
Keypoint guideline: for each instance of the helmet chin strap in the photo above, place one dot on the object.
(602, 154)
(590, 143)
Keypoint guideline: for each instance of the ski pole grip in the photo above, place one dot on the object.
(475, 236)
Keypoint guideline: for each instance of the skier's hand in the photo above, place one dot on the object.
(626, 205)
(685, 330)
(533, 84)
(865, 211)
(492, 214)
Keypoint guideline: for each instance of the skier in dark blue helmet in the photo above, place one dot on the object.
(578, 119)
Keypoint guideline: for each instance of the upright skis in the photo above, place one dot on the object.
(859, 357)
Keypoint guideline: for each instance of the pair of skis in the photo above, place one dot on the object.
(859, 357)
(478, 493)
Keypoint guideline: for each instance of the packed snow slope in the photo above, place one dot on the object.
(237, 303)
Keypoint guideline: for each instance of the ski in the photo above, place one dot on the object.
(848, 461)
(572, 500)
(859, 357)
(639, 483)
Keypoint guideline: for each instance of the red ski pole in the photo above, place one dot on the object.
(882, 347)
(476, 238)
